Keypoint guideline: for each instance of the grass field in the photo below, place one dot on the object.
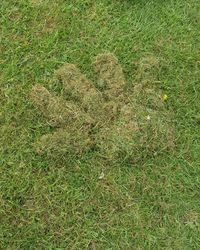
(58, 204)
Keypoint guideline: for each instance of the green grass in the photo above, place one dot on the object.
(47, 204)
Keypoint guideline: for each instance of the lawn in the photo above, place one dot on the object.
(48, 203)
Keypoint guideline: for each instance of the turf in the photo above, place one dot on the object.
(83, 203)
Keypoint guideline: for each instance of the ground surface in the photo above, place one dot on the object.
(48, 204)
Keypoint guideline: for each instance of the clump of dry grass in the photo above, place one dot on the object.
(2, 96)
(64, 142)
(147, 95)
(110, 74)
(73, 80)
(80, 88)
(2, 101)
(137, 132)
(117, 124)
(58, 111)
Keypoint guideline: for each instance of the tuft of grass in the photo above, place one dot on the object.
(110, 74)
(50, 203)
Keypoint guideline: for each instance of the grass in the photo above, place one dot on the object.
(56, 204)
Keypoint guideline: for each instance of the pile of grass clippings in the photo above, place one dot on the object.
(117, 124)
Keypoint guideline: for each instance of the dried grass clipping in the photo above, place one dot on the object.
(115, 124)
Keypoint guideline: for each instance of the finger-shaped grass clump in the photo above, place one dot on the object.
(78, 86)
(64, 142)
(110, 73)
(73, 80)
(57, 111)
(2, 96)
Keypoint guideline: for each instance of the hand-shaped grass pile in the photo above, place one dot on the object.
(116, 124)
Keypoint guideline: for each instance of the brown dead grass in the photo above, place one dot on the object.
(110, 74)
(65, 142)
(38, 3)
(117, 124)
(80, 88)
(2, 96)
(55, 109)
(137, 132)
(73, 80)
